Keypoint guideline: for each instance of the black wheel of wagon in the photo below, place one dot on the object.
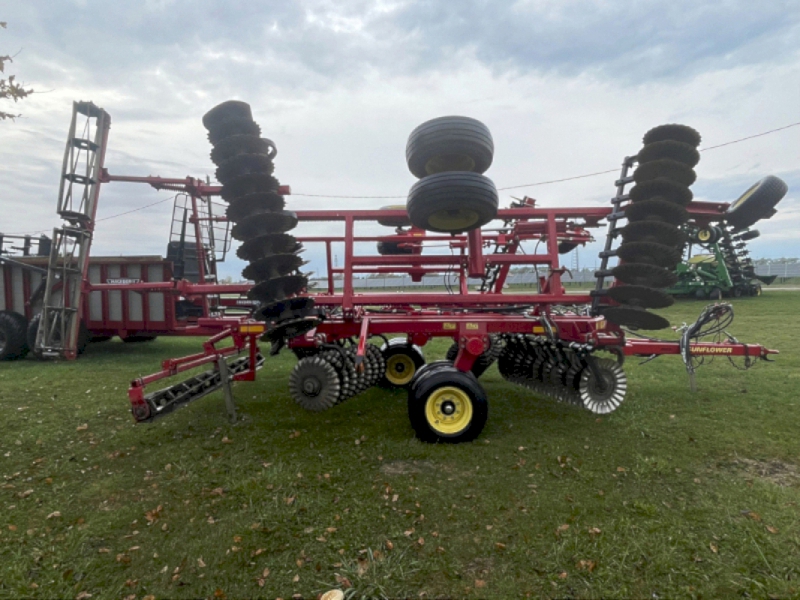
(449, 144)
(403, 361)
(452, 202)
(242, 144)
(230, 127)
(448, 406)
(13, 336)
(748, 235)
(715, 294)
(707, 235)
(33, 328)
(756, 203)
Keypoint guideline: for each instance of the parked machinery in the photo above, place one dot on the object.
(547, 341)
(569, 347)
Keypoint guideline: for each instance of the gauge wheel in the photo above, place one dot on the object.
(449, 144)
(403, 361)
(452, 202)
(448, 406)
(756, 203)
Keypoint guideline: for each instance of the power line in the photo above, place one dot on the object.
(524, 185)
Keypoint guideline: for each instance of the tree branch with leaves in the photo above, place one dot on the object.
(9, 88)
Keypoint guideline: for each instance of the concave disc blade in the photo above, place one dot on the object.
(242, 144)
(672, 149)
(248, 184)
(652, 231)
(644, 274)
(244, 164)
(666, 168)
(635, 318)
(640, 296)
(649, 253)
(294, 308)
(266, 222)
(265, 245)
(245, 206)
(663, 189)
(673, 131)
(289, 329)
(231, 109)
(279, 288)
(273, 266)
(657, 210)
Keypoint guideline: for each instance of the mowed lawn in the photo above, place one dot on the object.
(674, 495)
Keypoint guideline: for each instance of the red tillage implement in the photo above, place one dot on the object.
(451, 227)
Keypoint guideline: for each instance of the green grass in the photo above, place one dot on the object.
(675, 494)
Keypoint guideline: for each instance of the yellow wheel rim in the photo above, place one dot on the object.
(704, 235)
(400, 369)
(448, 410)
(453, 220)
(744, 196)
(449, 162)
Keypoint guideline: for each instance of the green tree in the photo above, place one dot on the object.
(9, 88)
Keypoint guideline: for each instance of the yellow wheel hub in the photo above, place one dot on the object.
(449, 162)
(448, 410)
(453, 220)
(704, 235)
(400, 369)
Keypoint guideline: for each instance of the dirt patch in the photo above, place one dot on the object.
(406, 467)
(775, 471)
(479, 567)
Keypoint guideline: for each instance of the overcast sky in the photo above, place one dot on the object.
(567, 87)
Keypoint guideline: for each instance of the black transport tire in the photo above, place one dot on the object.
(736, 292)
(452, 202)
(757, 202)
(13, 336)
(449, 144)
(481, 364)
(448, 406)
(748, 235)
(667, 169)
(393, 248)
(403, 361)
(230, 127)
(403, 221)
(715, 294)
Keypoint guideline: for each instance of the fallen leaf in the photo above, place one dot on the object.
(201, 563)
(480, 583)
(153, 515)
(586, 565)
(751, 515)
(594, 531)
(227, 440)
(562, 528)
(713, 547)
(389, 545)
(296, 578)
(562, 575)
(265, 573)
(210, 520)
(261, 582)
(83, 595)
(343, 581)
(218, 593)
(83, 427)
(499, 546)
(104, 551)
(621, 469)
(25, 494)
(421, 541)
(123, 558)
(12, 527)
(237, 539)
(771, 529)
(54, 515)
(149, 597)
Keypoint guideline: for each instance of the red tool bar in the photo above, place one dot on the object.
(475, 299)
(637, 347)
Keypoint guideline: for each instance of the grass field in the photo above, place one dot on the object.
(675, 494)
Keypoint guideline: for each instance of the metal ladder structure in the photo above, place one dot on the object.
(67, 268)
